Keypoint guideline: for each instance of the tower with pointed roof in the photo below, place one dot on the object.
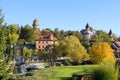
(87, 31)
(87, 27)
(36, 30)
(35, 24)
(110, 35)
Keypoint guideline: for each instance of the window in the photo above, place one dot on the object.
(39, 46)
(42, 46)
(39, 41)
(43, 42)
(46, 42)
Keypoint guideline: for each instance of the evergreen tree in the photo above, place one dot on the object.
(3, 57)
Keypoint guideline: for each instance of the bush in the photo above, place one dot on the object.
(21, 41)
(58, 64)
(104, 73)
(81, 77)
(74, 63)
(86, 62)
(76, 76)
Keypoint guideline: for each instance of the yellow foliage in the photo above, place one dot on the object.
(101, 53)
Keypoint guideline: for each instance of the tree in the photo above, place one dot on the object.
(25, 51)
(36, 52)
(12, 38)
(102, 36)
(13, 32)
(101, 53)
(85, 42)
(58, 34)
(27, 33)
(1, 18)
(2, 41)
(28, 53)
(60, 49)
(13, 29)
(36, 30)
(74, 49)
(4, 72)
(2, 54)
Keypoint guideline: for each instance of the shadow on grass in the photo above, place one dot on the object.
(65, 78)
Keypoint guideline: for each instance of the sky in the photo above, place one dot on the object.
(64, 14)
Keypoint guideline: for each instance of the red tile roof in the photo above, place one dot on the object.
(46, 36)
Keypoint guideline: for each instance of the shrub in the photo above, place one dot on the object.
(104, 73)
(58, 64)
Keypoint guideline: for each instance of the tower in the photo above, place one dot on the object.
(35, 24)
(36, 30)
(87, 31)
(87, 27)
(110, 35)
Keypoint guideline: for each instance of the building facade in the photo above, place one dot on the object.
(45, 39)
(88, 32)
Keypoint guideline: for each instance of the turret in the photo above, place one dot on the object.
(35, 24)
(87, 32)
(110, 34)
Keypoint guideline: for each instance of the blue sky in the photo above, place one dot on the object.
(64, 14)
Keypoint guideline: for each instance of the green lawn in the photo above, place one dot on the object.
(59, 73)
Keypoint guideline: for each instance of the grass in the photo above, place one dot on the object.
(59, 73)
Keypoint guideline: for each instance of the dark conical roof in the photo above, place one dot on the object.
(87, 25)
(110, 32)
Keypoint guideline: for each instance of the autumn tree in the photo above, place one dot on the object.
(101, 53)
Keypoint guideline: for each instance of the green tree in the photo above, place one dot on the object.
(4, 72)
(102, 36)
(36, 52)
(36, 32)
(25, 51)
(2, 54)
(13, 32)
(1, 18)
(28, 53)
(58, 34)
(13, 29)
(74, 49)
(60, 49)
(85, 42)
(77, 34)
(12, 38)
(27, 33)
